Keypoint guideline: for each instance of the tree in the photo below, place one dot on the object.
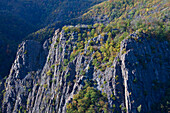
(88, 100)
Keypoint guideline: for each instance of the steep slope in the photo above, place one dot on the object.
(18, 18)
(46, 12)
(133, 79)
(123, 61)
(24, 64)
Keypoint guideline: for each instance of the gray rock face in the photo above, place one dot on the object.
(144, 66)
(30, 59)
(1, 92)
(40, 84)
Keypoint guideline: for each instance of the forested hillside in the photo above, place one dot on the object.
(112, 58)
(18, 18)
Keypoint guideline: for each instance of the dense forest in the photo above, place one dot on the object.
(90, 57)
(19, 18)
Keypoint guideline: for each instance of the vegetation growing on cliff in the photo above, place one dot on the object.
(88, 100)
(85, 52)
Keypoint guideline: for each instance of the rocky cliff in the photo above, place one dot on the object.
(44, 78)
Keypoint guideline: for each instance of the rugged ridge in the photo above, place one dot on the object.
(135, 78)
(29, 61)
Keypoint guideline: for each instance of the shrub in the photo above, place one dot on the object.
(67, 75)
(53, 66)
(135, 80)
(66, 62)
(139, 108)
(88, 100)
(45, 86)
(49, 73)
(55, 45)
(25, 52)
(82, 72)
(103, 68)
(29, 90)
(60, 49)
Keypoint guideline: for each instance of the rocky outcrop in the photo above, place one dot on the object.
(39, 84)
(144, 69)
(29, 61)
(1, 92)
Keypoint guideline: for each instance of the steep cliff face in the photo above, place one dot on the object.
(2, 91)
(20, 18)
(144, 69)
(134, 79)
(29, 62)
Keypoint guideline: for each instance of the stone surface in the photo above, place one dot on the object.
(39, 83)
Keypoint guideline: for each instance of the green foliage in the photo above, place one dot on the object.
(25, 52)
(96, 63)
(67, 75)
(20, 107)
(49, 73)
(66, 29)
(102, 68)
(82, 72)
(163, 105)
(88, 100)
(135, 80)
(55, 45)
(45, 86)
(53, 66)
(125, 17)
(29, 90)
(118, 59)
(70, 48)
(60, 49)
(84, 35)
(124, 109)
(66, 62)
(116, 77)
(114, 106)
(139, 108)
(124, 51)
